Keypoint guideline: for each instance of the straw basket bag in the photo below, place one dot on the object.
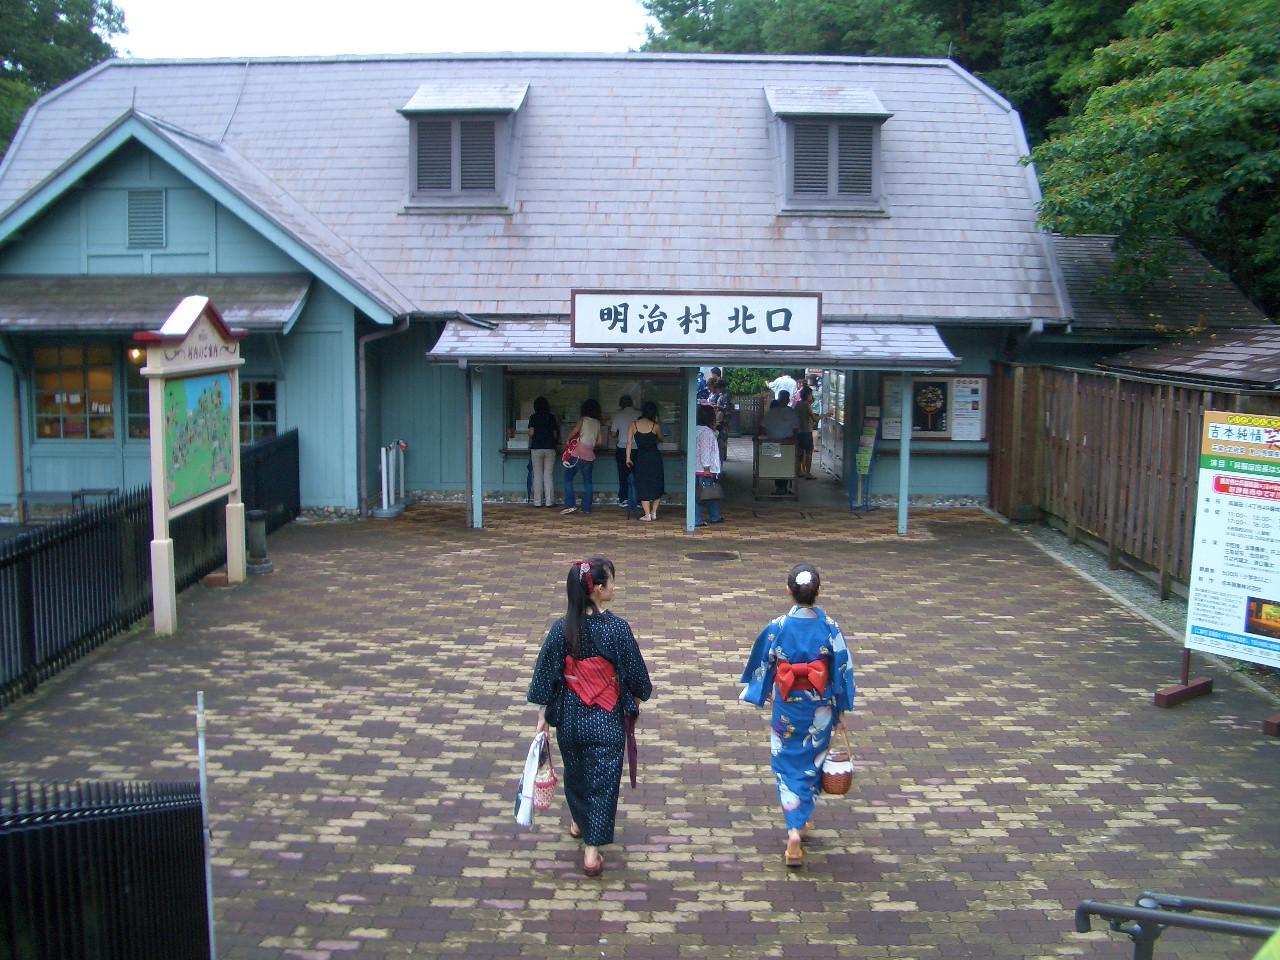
(837, 768)
(544, 785)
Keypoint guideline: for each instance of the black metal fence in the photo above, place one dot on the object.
(269, 479)
(68, 587)
(113, 871)
(71, 586)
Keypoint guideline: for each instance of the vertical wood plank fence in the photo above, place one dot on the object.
(1107, 458)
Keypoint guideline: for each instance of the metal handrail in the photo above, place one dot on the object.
(1156, 912)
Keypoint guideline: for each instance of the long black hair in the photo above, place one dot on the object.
(584, 576)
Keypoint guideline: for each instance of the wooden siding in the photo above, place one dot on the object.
(1108, 458)
(319, 393)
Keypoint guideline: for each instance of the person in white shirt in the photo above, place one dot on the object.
(707, 456)
(785, 383)
(619, 426)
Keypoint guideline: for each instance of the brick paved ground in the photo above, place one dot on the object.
(367, 718)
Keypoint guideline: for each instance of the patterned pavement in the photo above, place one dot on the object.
(367, 722)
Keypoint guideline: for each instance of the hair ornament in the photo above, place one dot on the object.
(804, 578)
(584, 571)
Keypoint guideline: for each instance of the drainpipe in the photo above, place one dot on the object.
(20, 473)
(402, 324)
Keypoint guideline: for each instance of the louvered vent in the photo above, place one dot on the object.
(810, 161)
(479, 156)
(855, 159)
(146, 219)
(434, 155)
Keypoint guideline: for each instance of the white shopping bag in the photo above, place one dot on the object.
(524, 793)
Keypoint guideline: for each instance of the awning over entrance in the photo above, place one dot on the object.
(124, 304)
(845, 345)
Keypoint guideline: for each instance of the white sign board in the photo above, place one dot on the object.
(968, 412)
(1233, 608)
(631, 318)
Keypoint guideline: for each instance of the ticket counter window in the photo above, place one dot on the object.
(565, 394)
(74, 392)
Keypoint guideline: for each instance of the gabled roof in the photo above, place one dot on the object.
(240, 187)
(638, 170)
(1246, 359)
(1194, 296)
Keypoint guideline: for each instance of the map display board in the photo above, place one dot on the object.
(198, 435)
(1233, 608)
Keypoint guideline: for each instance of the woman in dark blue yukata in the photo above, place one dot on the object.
(587, 679)
(801, 661)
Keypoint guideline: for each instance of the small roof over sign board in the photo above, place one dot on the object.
(544, 340)
(183, 319)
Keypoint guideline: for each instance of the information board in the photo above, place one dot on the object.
(941, 408)
(1233, 608)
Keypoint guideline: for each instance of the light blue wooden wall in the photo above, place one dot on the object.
(423, 403)
(319, 391)
(948, 468)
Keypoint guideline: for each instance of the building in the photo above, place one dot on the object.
(403, 237)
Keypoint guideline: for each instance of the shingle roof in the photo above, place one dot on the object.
(257, 303)
(1194, 296)
(1248, 359)
(634, 171)
(547, 339)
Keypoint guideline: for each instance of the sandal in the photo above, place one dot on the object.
(794, 856)
(593, 871)
(574, 831)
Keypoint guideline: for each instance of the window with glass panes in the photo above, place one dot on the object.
(137, 402)
(74, 392)
(257, 410)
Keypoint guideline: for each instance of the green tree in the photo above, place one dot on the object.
(1179, 138)
(1046, 44)
(47, 42)
(854, 27)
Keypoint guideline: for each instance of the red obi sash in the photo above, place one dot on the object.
(594, 681)
(801, 676)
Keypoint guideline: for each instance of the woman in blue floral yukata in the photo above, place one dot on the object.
(801, 661)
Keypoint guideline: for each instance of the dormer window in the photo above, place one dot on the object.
(463, 146)
(829, 139)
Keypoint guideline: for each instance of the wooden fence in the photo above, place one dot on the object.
(1109, 458)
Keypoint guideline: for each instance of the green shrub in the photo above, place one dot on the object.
(749, 380)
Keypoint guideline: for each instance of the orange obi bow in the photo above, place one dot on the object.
(801, 676)
(594, 681)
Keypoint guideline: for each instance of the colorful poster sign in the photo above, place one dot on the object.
(198, 436)
(1233, 607)
(627, 318)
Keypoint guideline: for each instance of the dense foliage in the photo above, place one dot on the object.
(1180, 136)
(47, 42)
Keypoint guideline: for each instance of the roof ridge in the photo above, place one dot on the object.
(640, 56)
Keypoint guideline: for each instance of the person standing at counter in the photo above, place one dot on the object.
(588, 430)
(620, 429)
(544, 440)
(780, 424)
(645, 459)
